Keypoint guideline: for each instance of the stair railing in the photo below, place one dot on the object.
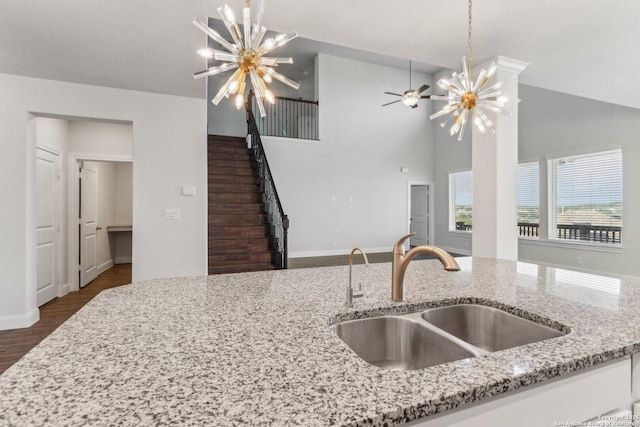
(276, 218)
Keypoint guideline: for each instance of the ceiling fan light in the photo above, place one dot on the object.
(409, 101)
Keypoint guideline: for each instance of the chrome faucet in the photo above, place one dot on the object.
(350, 293)
(401, 261)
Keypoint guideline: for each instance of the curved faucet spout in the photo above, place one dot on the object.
(401, 262)
(350, 293)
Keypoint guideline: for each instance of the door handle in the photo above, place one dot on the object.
(98, 228)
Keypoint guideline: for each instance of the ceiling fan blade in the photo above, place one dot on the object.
(392, 102)
(391, 93)
(422, 89)
(425, 97)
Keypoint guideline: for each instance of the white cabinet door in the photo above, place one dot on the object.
(569, 399)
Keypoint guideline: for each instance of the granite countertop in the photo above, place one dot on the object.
(256, 349)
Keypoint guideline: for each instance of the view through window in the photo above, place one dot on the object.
(585, 197)
(528, 199)
(461, 201)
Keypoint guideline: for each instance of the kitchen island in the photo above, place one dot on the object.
(256, 348)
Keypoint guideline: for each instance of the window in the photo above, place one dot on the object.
(585, 197)
(460, 201)
(528, 200)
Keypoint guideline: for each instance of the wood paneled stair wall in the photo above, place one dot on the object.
(239, 238)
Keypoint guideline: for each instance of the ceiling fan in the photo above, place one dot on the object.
(410, 97)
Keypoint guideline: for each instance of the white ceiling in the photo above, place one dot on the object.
(582, 47)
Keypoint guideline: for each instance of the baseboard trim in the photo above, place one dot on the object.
(460, 251)
(105, 266)
(19, 321)
(123, 260)
(64, 289)
(331, 252)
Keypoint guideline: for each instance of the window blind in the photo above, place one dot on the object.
(586, 196)
(462, 200)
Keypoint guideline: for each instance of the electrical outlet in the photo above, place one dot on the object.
(172, 214)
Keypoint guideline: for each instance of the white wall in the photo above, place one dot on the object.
(347, 189)
(169, 152)
(552, 124)
(123, 202)
(95, 138)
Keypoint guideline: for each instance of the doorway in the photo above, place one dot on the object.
(104, 208)
(56, 198)
(419, 213)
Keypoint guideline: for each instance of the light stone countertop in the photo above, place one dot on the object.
(256, 349)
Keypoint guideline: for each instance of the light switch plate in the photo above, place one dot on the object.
(172, 214)
(189, 190)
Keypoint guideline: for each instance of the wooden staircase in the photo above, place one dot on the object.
(239, 237)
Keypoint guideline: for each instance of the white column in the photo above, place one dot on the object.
(495, 163)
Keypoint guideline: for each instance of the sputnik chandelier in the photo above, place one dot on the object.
(246, 56)
(467, 98)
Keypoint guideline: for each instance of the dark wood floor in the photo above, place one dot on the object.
(334, 260)
(15, 343)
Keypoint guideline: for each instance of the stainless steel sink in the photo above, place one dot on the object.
(438, 335)
(486, 327)
(398, 342)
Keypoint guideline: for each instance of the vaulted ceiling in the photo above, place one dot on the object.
(587, 48)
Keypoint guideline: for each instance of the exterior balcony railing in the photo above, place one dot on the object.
(580, 232)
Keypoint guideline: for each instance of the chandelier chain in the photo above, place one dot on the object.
(469, 56)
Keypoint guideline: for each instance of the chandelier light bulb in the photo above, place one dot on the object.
(228, 13)
(245, 54)
(205, 53)
(239, 101)
(269, 43)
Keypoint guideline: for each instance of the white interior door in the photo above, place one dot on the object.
(419, 215)
(88, 224)
(47, 225)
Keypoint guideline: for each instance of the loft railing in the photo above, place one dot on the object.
(276, 218)
(288, 118)
(584, 232)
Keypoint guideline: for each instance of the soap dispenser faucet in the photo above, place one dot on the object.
(401, 262)
(351, 295)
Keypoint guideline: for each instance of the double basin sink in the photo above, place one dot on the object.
(438, 335)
